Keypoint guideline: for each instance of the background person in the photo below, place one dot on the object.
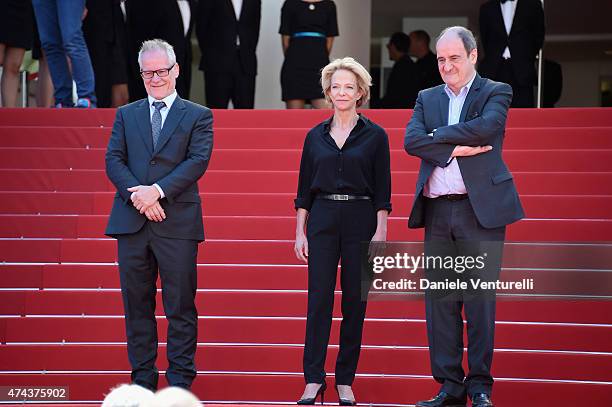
(344, 194)
(512, 34)
(307, 29)
(402, 84)
(16, 36)
(59, 26)
(228, 33)
(426, 62)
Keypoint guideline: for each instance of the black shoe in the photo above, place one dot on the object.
(442, 399)
(481, 400)
(345, 402)
(310, 401)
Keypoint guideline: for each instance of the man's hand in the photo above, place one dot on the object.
(144, 196)
(467, 151)
(155, 213)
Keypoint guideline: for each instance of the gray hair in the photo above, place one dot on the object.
(466, 36)
(128, 395)
(157, 45)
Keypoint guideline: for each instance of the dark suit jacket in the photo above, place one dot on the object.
(149, 19)
(402, 87)
(217, 29)
(104, 32)
(525, 39)
(178, 161)
(488, 181)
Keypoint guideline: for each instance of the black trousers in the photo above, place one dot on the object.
(235, 85)
(336, 230)
(522, 96)
(452, 227)
(141, 255)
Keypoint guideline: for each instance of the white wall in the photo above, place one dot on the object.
(354, 23)
(581, 82)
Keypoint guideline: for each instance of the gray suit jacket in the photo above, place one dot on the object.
(180, 158)
(488, 181)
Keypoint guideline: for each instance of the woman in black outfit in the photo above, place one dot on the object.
(343, 199)
(307, 29)
(16, 36)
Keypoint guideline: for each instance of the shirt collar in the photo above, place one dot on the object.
(327, 123)
(464, 90)
(168, 100)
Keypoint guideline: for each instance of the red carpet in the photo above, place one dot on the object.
(61, 313)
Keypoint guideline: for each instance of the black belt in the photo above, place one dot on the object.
(453, 197)
(343, 197)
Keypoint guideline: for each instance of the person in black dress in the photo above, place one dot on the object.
(16, 36)
(343, 199)
(307, 29)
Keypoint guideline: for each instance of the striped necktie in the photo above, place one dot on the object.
(156, 121)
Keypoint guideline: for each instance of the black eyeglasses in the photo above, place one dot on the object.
(160, 72)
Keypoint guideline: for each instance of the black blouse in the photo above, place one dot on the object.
(296, 16)
(361, 167)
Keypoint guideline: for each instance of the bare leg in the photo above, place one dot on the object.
(119, 94)
(295, 103)
(9, 85)
(320, 104)
(44, 91)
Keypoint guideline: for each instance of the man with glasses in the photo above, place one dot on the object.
(159, 148)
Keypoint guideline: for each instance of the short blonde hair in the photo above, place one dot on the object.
(364, 79)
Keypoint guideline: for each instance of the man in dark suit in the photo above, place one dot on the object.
(228, 32)
(104, 32)
(426, 63)
(159, 148)
(402, 85)
(169, 20)
(512, 34)
(465, 197)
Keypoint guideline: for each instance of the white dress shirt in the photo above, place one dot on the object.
(508, 9)
(237, 9)
(448, 180)
(168, 100)
(185, 14)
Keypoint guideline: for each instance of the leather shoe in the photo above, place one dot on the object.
(442, 399)
(481, 400)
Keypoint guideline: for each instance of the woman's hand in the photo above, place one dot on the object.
(377, 244)
(301, 247)
(301, 242)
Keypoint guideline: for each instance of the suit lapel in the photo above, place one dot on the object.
(497, 14)
(444, 107)
(143, 121)
(518, 16)
(470, 97)
(232, 10)
(176, 113)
